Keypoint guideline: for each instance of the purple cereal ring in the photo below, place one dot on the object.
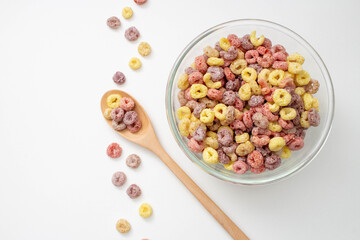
(230, 149)
(133, 161)
(119, 78)
(296, 144)
(118, 179)
(267, 43)
(272, 158)
(245, 42)
(113, 22)
(192, 104)
(133, 191)
(135, 127)
(217, 73)
(274, 165)
(229, 98)
(256, 66)
(265, 151)
(313, 117)
(117, 114)
(225, 137)
(260, 120)
(233, 85)
(118, 126)
(132, 34)
(256, 100)
(199, 134)
(127, 103)
(231, 54)
(240, 167)
(130, 117)
(197, 110)
(251, 56)
(181, 98)
(217, 47)
(223, 158)
(278, 48)
(190, 70)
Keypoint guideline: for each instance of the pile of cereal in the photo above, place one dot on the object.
(121, 111)
(246, 103)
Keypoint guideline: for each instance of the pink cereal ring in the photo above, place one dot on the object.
(288, 138)
(114, 150)
(215, 94)
(255, 159)
(239, 104)
(265, 61)
(296, 144)
(286, 124)
(282, 65)
(280, 56)
(200, 63)
(118, 179)
(195, 146)
(140, 2)
(287, 82)
(240, 167)
(234, 40)
(237, 124)
(187, 95)
(260, 140)
(278, 48)
(228, 74)
(258, 170)
(135, 127)
(127, 103)
(251, 56)
(268, 113)
(262, 50)
(133, 191)
(247, 119)
(196, 78)
(267, 43)
(260, 131)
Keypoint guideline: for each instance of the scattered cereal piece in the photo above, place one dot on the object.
(132, 34)
(145, 210)
(133, 191)
(123, 226)
(113, 22)
(133, 161)
(107, 113)
(118, 179)
(135, 63)
(119, 78)
(140, 2)
(144, 49)
(114, 150)
(127, 12)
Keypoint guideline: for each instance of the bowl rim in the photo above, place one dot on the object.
(215, 173)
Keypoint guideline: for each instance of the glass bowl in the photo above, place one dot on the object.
(315, 137)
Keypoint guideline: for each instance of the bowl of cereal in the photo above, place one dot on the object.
(250, 102)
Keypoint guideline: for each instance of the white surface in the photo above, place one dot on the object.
(57, 59)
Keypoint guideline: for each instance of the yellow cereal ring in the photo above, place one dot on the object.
(113, 100)
(123, 226)
(286, 152)
(238, 114)
(183, 112)
(256, 41)
(300, 91)
(184, 125)
(183, 82)
(213, 61)
(220, 110)
(255, 88)
(302, 78)
(274, 126)
(294, 67)
(145, 210)
(273, 107)
(224, 43)
(207, 116)
(264, 74)
(249, 74)
(245, 92)
(281, 97)
(242, 138)
(276, 144)
(210, 155)
(315, 104)
(144, 49)
(211, 134)
(134, 63)
(232, 156)
(228, 128)
(288, 113)
(244, 148)
(198, 91)
(193, 118)
(296, 57)
(209, 83)
(290, 75)
(127, 12)
(211, 52)
(238, 66)
(107, 113)
(308, 101)
(241, 54)
(229, 166)
(276, 76)
(211, 142)
(304, 120)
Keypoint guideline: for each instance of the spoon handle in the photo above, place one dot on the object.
(212, 208)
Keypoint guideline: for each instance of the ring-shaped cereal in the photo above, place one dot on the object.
(224, 43)
(245, 92)
(134, 63)
(308, 101)
(127, 12)
(123, 226)
(107, 113)
(210, 155)
(294, 67)
(220, 110)
(184, 127)
(229, 166)
(211, 142)
(145, 210)
(274, 126)
(238, 66)
(296, 57)
(302, 78)
(256, 41)
(276, 76)
(213, 61)
(211, 52)
(198, 91)
(207, 116)
(244, 148)
(183, 81)
(304, 122)
(228, 128)
(209, 83)
(255, 88)
(211, 134)
(300, 91)
(144, 49)
(281, 97)
(273, 107)
(264, 74)
(183, 112)
(286, 152)
(249, 74)
(242, 138)
(288, 113)
(113, 100)
(276, 144)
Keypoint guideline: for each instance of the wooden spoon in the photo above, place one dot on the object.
(146, 137)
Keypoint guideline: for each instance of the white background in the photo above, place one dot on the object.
(57, 58)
